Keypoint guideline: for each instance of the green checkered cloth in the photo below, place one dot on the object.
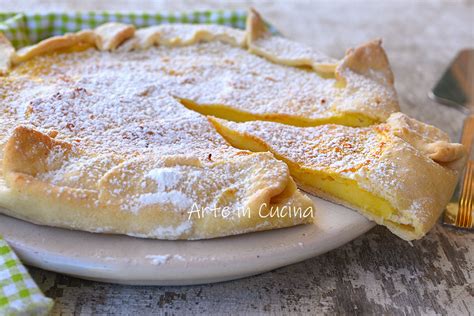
(19, 295)
(25, 29)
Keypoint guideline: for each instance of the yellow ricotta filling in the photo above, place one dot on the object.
(232, 114)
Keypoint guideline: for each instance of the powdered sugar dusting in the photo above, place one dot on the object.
(112, 120)
(329, 148)
(176, 198)
(173, 231)
(289, 50)
(162, 259)
(158, 259)
(164, 177)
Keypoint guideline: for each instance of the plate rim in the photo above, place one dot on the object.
(193, 269)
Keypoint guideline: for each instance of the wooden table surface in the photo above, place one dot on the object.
(374, 274)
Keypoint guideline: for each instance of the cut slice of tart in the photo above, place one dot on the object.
(400, 174)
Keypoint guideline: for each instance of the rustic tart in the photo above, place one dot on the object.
(105, 130)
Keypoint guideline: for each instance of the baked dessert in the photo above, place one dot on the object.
(94, 140)
(400, 174)
(102, 130)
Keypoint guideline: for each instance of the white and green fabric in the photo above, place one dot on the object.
(19, 295)
(25, 29)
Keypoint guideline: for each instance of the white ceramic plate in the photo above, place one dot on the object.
(123, 259)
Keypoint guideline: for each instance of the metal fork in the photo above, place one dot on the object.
(456, 88)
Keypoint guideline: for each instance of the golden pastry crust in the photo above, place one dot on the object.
(53, 44)
(428, 139)
(182, 35)
(6, 54)
(406, 163)
(106, 37)
(369, 60)
(282, 51)
(109, 36)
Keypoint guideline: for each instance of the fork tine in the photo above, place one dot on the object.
(467, 203)
(464, 217)
(470, 197)
(460, 213)
(462, 200)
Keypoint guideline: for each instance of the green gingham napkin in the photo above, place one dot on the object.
(25, 29)
(19, 295)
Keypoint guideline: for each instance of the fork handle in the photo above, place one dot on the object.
(467, 136)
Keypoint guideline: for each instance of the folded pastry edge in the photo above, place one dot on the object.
(29, 152)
